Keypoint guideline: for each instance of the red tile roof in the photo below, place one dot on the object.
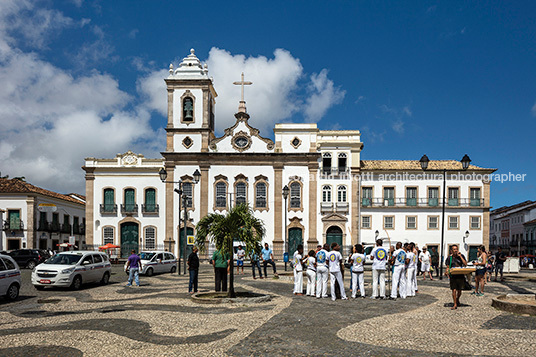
(19, 186)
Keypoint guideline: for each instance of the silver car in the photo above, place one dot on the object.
(9, 277)
(72, 269)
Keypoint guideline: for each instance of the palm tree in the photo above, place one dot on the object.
(240, 224)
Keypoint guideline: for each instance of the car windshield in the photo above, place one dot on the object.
(146, 255)
(64, 259)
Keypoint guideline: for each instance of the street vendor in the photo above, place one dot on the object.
(457, 281)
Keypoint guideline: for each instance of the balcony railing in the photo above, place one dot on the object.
(54, 227)
(108, 208)
(43, 226)
(420, 202)
(129, 208)
(341, 207)
(326, 207)
(150, 208)
(17, 225)
(335, 172)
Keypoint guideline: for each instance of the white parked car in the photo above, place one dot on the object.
(156, 262)
(9, 277)
(72, 269)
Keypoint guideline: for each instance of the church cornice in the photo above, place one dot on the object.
(236, 158)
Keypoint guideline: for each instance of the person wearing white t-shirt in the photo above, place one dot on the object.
(379, 258)
(358, 259)
(412, 265)
(425, 258)
(298, 270)
(335, 268)
(322, 272)
(310, 263)
(416, 252)
(240, 255)
(399, 261)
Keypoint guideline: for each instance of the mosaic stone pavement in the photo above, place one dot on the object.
(159, 318)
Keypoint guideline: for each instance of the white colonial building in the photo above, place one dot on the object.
(33, 217)
(128, 205)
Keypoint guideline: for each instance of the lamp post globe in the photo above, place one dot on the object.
(424, 162)
(197, 176)
(163, 174)
(465, 162)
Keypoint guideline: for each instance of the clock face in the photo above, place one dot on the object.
(241, 142)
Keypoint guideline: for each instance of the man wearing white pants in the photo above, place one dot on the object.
(298, 271)
(322, 272)
(424, 258)
(335, 268)
(416, 261)
(357, 259)
(379, 258)
(399, 261)
(311, 273)
(411, 276)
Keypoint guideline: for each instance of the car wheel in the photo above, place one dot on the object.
(105, 278)
(12, 292)
(39, 287)
(149, 272)
(173, 269)
(77, 282)
(31, 264)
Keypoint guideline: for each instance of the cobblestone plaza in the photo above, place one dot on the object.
(160, 319)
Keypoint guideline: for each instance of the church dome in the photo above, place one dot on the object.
(190, 68)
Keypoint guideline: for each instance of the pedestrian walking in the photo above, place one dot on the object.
(457, 281)
(322, 272)
(134, 264)
(311, 273)
(220, 262)
(298, 270)
(357, 260)
(255, 263)
(335, 269)
(500, 258)
(434, 258)
(193, 269)
(379, 260)
(399, 260)
(267, 258)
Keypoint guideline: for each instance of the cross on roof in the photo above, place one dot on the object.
(242, 83)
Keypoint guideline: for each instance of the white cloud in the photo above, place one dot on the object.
(534, 110)
(323, 95)
(51, 119)
(398, 126)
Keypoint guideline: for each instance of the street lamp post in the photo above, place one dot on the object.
(285, 196)
(424, 165)
(180, 191)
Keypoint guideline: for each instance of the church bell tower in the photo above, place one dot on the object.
(191, 101)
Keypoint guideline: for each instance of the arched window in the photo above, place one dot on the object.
(129, 200)
(260, 195)
(109, 200)
(187, 191)
(108, 235)
(150, 200)
(295, 195)
(188, 109)
(221, 195)
(150, 238)
(326, 163)
(241, 192)
(342, 164)
(341, 194)
(326, 193)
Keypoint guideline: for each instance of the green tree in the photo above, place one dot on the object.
(240, 224)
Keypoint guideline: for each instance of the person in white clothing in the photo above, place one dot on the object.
(240, 255)
(412, 265)
(335, 268)
(425, 258)
(399, 261)
(379, 258)
(310, 263)
(357, 260)
(298, 270)
(416, 252)
(322, 272)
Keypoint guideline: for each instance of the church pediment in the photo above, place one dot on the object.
(242, 137)
(334, 217)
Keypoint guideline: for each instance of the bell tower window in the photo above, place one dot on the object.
(188, 110)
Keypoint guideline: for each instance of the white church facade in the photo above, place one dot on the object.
(329, 200)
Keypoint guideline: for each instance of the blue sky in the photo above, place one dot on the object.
(443, 78)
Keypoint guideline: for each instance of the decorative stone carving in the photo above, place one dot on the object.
(241, 141)
(296, 142)
(187, 142)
